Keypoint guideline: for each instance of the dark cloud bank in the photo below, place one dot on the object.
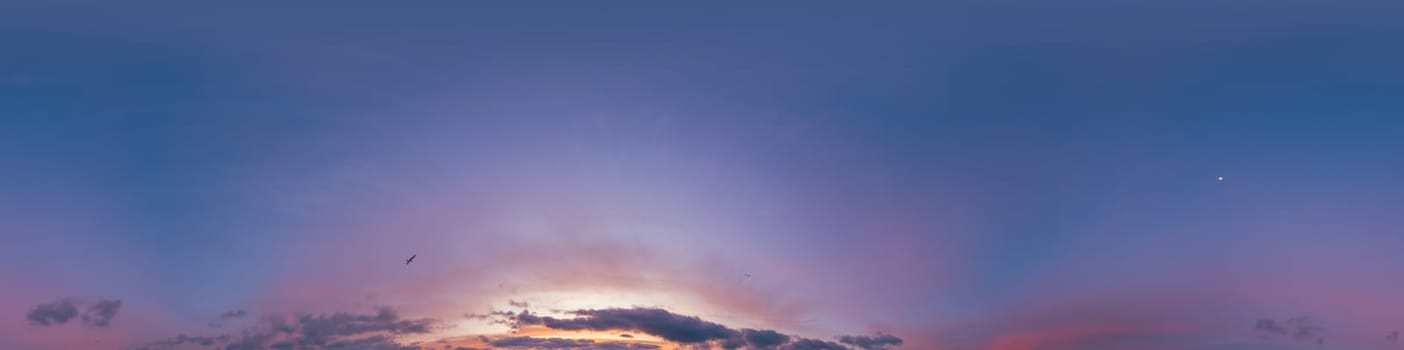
(692, 331)
(99, 314)
(379, 331)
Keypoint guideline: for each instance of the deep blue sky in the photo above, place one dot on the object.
(975, 174)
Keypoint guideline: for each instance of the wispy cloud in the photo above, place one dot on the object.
(1269, 326)
(222, 319)
(55, 313)
(99, 314)
(1302, 328)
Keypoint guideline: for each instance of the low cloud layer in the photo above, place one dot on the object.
(561, 343)
(340, 330)
(879, 341)
(690, 330)
(99, 314)
(812, 344)
(764, 338)
(381, 330)
(657, 322)
(183, 339)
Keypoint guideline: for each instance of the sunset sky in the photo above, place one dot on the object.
(910, 175)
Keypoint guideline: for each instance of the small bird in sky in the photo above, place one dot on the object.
(1221, 179)
(411, 259)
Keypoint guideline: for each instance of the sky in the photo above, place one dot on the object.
(918, 175)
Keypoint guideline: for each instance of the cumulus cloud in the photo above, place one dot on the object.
(99, 314)
(875, 342)
(688, 330)
(55, 313)
(341, 330)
